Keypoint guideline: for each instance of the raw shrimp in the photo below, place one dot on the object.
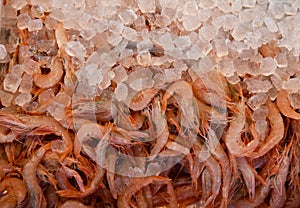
(45, 81)
(72, 204)
(36, 198)
(248, 176)
(213, 168)
(136, 185)
(206, 95)
(142, 99)
(278, 193)
(233, 136)
(12, 192)
(261, 194)
(72, 173)
(276, 132)
(62, 180)
(180, 89)
(284, 106)
(87, 137)
(94, 185)
(217, 150)
(42, 125)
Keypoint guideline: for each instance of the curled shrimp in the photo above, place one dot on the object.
(72, 204)
(138, 183)
(42, 125)
(140, 100)
(36, 198)
(12, 192)
(233, 137)
(276, 132)
(91, 188)
(284, 106)
(180, 89)
(45, 81)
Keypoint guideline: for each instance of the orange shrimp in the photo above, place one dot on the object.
(94, 185)
(21, 124)
(72, 204)
(278, 194)
(233, 137)
(36, 198)
(248, 176)
(276, 132)
(12, 192)
(136, 185)
(284, 106)
(180, 89)
(140, 100)
(218, 152)
(45, 81)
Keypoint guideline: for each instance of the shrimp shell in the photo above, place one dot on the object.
(13, 188)
(45, 81)
(36, 198)
(276, 132)
(284, 106)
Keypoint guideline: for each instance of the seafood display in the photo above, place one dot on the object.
(149, 103)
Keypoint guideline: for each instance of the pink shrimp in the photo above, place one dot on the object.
(233, 137)
(276, 133)
(142, 99)
(45, 81)
(278, 194)
(94, 185)
(21, 124)
(284, 106)
(248, 176)
(12, 192)
(218, 152)
(36, 198)
(136, 184)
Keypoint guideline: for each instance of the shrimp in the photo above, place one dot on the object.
(72, 204)
(214, 170)
(248, 176)
(94, 185)
(233, 137)
(278, 194)
(72, 173)
(284, 106)
(21, 124)
(216, 149)
(36, 198)
(45, 81)
(276, 132)
(180, 89)
(51, 197)
(136, 185)
(207, 95)
(88, 136)
(142, 99)
(12, 192)
(261, 194)
(269, 50)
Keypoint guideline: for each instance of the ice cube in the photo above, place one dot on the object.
(144, 46)
(130, 34)
(26, 83)
(191, 22)
(146, 6)
(281, 60)
(190, 8)
(11, 82)
(34, 25)
(76, 49)
(144, 59)
(22, 21)
(114, 39)
(120, 74)
(292, 85)
(260, 113)
(121, 92)
(6, 98)
(271, 24)
(267, 66)
(208, 32)
(295, 100)
(262, 127)
(23, 99)
(182, 42)
(57, 110)
(128, 16)
(18, 4)
(255, 85)
(256, 101)
(166, 41)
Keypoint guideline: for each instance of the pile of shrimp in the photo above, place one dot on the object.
(51, 161)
